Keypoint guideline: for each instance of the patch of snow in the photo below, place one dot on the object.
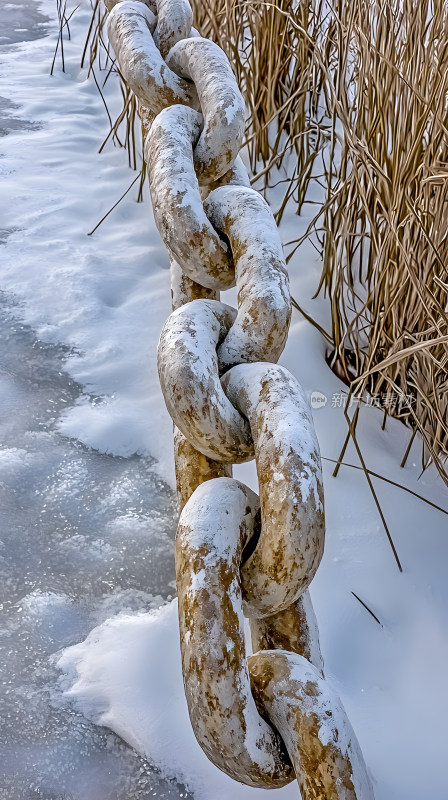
(107, 295)
(140, 695)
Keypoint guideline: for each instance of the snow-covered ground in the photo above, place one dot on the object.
(88, 515)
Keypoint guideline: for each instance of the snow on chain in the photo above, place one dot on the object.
(236, 554)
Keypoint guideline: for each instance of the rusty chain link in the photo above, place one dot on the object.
(271, 716)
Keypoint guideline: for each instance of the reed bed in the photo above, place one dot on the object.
(385, 253)
(361, 88)
(351, 97)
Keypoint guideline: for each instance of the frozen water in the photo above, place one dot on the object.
(8, 123)
(83, 536)
(21, 20)
(70, 503)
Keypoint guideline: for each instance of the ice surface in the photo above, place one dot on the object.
(21, 20)
(83, 536)
(108, 295)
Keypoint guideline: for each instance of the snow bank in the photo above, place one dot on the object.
(127, 675)
(107, 295)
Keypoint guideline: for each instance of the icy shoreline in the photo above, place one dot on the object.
(106, 295)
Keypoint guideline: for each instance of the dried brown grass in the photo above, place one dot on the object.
(385, 253)
(364, 84)
(353, 95)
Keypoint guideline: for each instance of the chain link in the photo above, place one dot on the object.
(271, 716)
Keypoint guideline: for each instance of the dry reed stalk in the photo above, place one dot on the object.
(361, 88)
(386, 243)
(63, 21)
(97, 53)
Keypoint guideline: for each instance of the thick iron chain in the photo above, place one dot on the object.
(270, 716)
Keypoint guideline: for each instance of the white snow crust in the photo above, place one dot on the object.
(106, 295)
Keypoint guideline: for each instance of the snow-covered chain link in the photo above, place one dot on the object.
(267, 717)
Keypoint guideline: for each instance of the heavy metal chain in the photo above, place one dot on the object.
(271, 716)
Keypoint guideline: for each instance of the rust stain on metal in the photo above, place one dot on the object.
(269, 717)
